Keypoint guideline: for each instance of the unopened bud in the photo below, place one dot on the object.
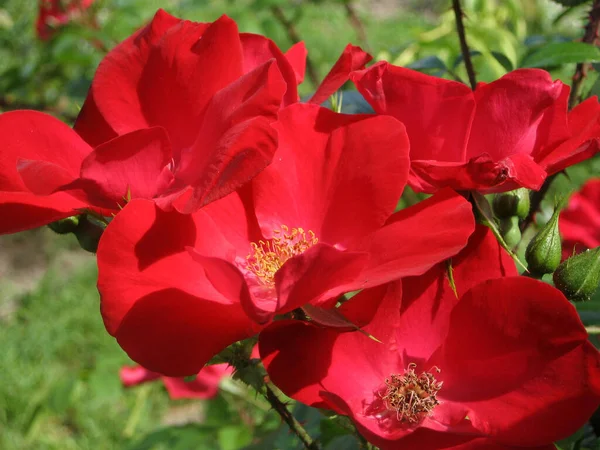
(513, 203)
(64, 226)
(578, 277)
(88, 233)
(509, 229)
(544, 251)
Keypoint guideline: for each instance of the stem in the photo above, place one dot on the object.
(293, 35)
(281, 409)
(590, 37)
(464, 48)
(536, 201)
(356, 23)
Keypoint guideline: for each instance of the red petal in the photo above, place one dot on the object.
(580, 144)
(133, 86)
(23, 211)
(258, 50)
(42, 177)
(317, 275)
(428, 299)
(424, 439)
(352, 58)
(132, 376)
(296, 55)
(304, 360)
(114, 93)
(91, 125)
(517, 356)
(35, 136)
(130, 166)
(176, 333)
(156, 300)
(337, 175)
(236, 140)
(480, 173)
(580, 222)
(437, 113)
(204, 386)
(415, 239)
(510, 113)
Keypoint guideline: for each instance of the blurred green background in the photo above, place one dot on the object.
(59, 385)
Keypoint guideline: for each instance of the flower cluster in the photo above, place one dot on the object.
(234, 210)
(54, 14)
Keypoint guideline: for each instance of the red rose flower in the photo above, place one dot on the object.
(179, 112)
(579, 222)
(56, 13)
(204, 386)
(510, 133)
(318, 222)
(505, 365)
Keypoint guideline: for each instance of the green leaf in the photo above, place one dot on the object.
(428, 63)
(572, 2)
(559, 53)
(232, 437)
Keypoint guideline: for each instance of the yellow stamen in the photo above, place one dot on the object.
(268, 256)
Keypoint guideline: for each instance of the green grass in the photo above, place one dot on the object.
(59, 384)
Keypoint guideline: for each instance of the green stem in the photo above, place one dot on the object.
(590, 36)
(272, 396)
(464, 48)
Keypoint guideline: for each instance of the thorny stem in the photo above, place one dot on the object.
(464, 48)
(590, 36)
(273, 398)
(293, 35)
(356, 23)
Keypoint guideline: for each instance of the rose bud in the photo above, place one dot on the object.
(544, 251)
(578, 276)
(513, 203)
(65, 226)
(509, 228)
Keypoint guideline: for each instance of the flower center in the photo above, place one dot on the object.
(412, 396)
(267, 257)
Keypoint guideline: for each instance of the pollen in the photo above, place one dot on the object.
(268, 256)
(411, 396)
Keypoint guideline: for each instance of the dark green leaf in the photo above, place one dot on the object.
(559, 53)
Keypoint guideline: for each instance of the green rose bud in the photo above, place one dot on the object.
(544, 251)
(88, 233)
(513, 203)
(509, 229)
(64, 226)
(578, 277)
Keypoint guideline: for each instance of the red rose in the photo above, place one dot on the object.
(505, 365)
(179, 112)
(318, 222)
(510, 133)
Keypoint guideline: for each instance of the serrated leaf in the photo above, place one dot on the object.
(559, 53)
